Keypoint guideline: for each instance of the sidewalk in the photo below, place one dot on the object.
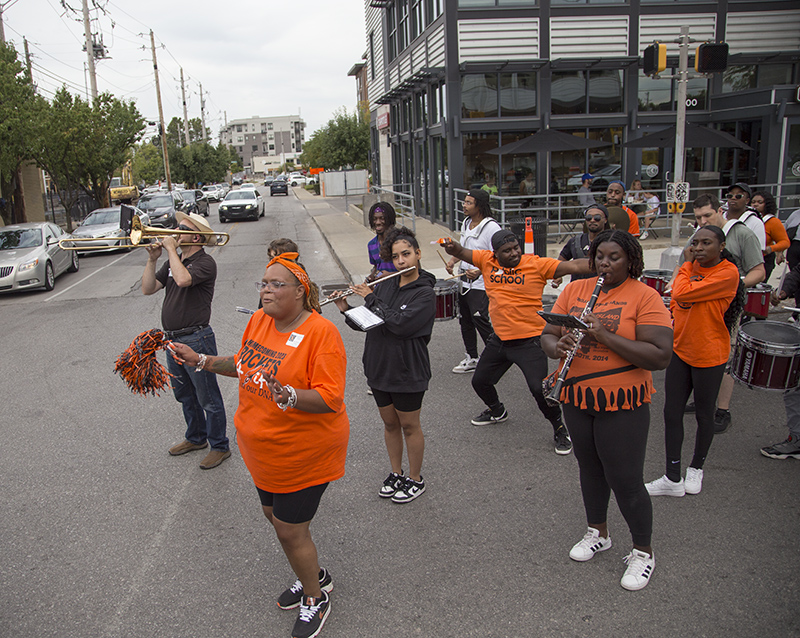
(347, 238)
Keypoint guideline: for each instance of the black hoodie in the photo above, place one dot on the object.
(396, 352)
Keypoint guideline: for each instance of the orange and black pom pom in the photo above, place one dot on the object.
(139, 367)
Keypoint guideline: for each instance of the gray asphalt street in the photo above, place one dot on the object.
(105, 535)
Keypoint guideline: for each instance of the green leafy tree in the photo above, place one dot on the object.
(342, 142)
(17, 113)
(116, 127)
(59, 145)
(175, 134)
(148, 165)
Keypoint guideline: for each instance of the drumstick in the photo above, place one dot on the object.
(444, 261)
(461, 274)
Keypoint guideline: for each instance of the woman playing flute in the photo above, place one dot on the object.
(396, 361)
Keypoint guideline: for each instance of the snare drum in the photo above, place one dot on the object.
(767, 356)
(657, 279)
(757, 304)
(446, 299)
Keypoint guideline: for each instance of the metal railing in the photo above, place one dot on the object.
(403, 197)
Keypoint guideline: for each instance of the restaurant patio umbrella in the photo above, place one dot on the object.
(547, 140)
(696, 137)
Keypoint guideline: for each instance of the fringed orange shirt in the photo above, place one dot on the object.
(621, 310)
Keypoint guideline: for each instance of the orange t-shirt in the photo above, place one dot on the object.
(292, 450)
(515, 294)
(700, 297)
(777, 237)
(621, 310)
(633, 229)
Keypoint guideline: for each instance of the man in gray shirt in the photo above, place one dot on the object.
(585, 196)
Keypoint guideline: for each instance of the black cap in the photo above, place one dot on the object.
(743, 186)
(599, 207)
(502, 237)
(479, 195)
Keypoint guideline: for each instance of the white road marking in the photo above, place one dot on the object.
(77, 283)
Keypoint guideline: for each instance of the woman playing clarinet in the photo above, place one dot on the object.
(702, 293)
(396, 361)
(606, 395)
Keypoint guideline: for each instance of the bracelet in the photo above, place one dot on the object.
(201, 363)
(291, 401)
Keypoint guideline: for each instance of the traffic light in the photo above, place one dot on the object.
(711, 57)
(655, 58)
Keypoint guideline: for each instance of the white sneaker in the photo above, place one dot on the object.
(589, 545)
(644, 235)
(694, 480)
(664, 487)
(640, 568)
(467, 365)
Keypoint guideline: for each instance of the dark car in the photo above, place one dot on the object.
(268, 180)
(280, 185)
(162, 206)
(196, 202)
(241, 204)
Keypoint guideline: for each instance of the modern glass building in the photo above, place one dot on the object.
(450, 80)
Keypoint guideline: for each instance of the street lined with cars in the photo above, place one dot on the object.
(103, 225)
(30, 256)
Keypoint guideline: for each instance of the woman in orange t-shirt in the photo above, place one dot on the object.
(291, 422)
(701, 294)
(606, 395)
(777, 238)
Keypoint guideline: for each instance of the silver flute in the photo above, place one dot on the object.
(552, 384)
(341, 294)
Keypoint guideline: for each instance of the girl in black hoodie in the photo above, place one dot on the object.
(396, 361)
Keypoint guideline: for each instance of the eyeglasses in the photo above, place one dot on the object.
(272, 286)
(734, 195)
(182, 227)
(593, 218)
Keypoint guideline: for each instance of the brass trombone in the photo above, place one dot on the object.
(139, 232)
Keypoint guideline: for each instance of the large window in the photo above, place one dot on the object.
(478, 164)
(577, 92)
(741, 77)
(517, 94)
(605, 163)
(479, 95)
(661, 94)
(469, 4)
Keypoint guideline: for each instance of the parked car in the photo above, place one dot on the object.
(297, 179)
(601, 177)
(280, 185)
(196, 202)
(213, 192)
(225, 188)
(247, 186)
(268, 180)
(103, 225)
(30, 256)
(161, 207)
(244, 203)
(236, 181)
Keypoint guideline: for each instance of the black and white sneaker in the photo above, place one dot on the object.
(409, 491)
(563, 442)
(487, 418)
(392, 483)
(313, 613)
(292, 597)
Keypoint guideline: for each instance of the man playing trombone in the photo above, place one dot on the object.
(188, 279)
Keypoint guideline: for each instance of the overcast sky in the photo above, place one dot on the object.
(253, 58)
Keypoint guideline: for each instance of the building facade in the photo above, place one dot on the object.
(450, 80)
(265, 143)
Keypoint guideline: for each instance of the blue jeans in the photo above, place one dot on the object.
(198, 393)
(791, 400)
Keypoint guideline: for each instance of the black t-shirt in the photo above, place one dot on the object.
(577, 248)
(190, 306)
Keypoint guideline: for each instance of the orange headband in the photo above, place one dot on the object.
(284, 260)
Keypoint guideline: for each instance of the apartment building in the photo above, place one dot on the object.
(265, 143)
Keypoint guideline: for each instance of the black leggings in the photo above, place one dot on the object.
(473, 309)
(610, 449)
(681, 379)
(498, 356)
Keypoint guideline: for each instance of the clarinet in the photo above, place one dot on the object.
(552, 385)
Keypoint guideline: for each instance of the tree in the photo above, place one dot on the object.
(342, 142)
(17, 113)
(148, 165)
(116, 127)
(175, 134)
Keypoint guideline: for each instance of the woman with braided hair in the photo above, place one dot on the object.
(291, 423)
(707, 298)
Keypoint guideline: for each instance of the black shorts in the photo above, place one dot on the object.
(402, 401)
(293, 507)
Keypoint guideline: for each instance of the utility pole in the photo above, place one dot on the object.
(2, 30)
(160, 111)
(185, 115)
(87, 29)
(203, 113)
(27, 59)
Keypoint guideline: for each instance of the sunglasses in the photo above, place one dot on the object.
(182, 227)
(734, 195)
(593, 218)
